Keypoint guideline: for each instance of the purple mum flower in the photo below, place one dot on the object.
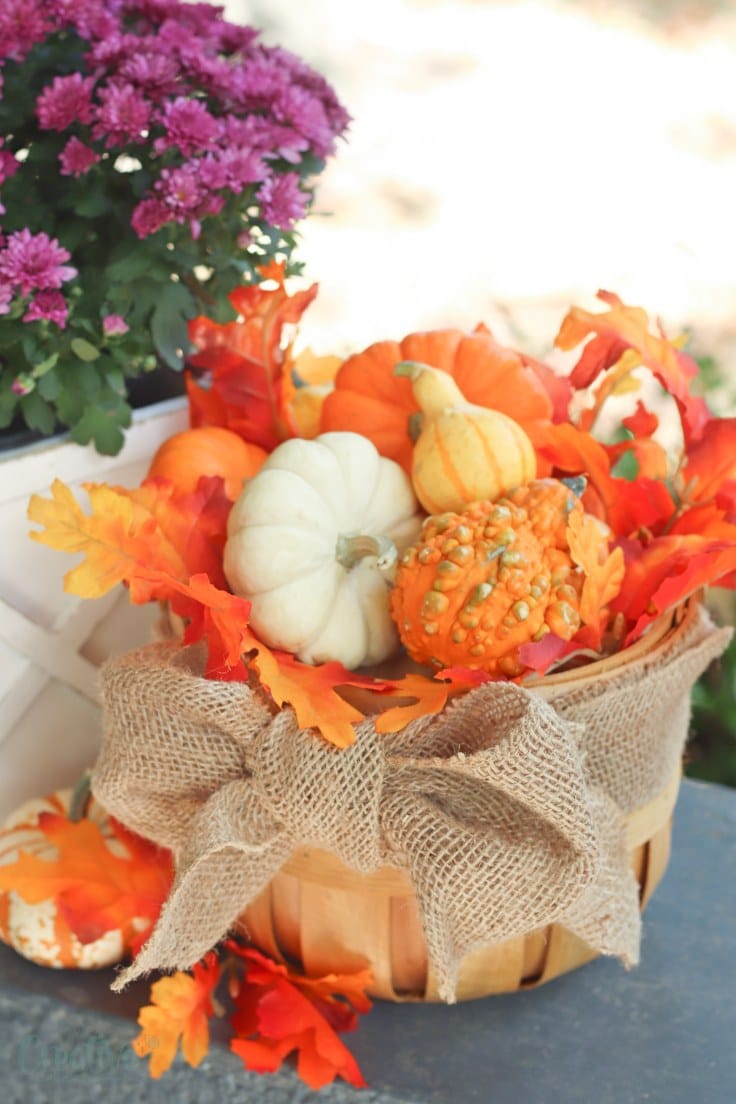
(149, 216)
(24, 23)
(155, 73)
(48, 306)
(189, 126)
(8, 164)
(76, 159)
(282, 201)
(65, 101)
(231, 168)
(123, 115)
(34, 262)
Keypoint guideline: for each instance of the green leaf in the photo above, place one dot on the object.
(129, 267)
(38, 413)
(92, 204)
(101, 428)
(49, 386)
(169, 323)
(626, 467)
(84, 349)
(45, 366)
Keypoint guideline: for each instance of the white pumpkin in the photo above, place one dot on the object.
(38, 931)
(312, 543)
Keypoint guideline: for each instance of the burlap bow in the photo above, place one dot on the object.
(487, 807)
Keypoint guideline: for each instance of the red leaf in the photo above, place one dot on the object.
(642, 423)
(246, 362)
(540, 655)
(710, 462)
(280, 1012)
(619, 328)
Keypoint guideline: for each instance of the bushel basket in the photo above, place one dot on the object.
(491, 847)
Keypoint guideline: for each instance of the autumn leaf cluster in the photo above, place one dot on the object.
(670, 513)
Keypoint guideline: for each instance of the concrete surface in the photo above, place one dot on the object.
(660, 1034)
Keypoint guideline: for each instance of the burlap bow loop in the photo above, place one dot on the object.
(490, 805)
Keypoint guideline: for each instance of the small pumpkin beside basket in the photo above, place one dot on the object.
(490, 805)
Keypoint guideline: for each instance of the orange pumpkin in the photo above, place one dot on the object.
(482, 582)
(369, 399)
(38, 931)
(207, 450)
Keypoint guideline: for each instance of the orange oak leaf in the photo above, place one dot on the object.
(619, 329)
(179, 1013)
(95, 890)
(603, 577)
(311, 691)
(426, 695)
(279, 1012)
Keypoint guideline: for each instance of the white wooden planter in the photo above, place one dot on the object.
(51, 643)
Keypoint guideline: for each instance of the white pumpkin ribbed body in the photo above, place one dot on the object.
(38, 931)
(283, 535)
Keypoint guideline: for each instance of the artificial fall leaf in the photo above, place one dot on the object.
(619, 329)
(95, 890)
(279, 1012)
(248, 363)
(311, 692)
(651, 458)
(664, 571)
(540, 656)
(426, 696)
(710, 462)
(642, 423)
(603, 577)
(179, 1013)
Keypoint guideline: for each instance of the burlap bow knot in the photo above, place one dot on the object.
(487, 806)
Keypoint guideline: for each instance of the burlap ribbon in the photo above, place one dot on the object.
(491, 807)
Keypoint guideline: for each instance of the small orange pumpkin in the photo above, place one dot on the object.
(38, 931)
(482, 582)
(369, 399)
(207, 450)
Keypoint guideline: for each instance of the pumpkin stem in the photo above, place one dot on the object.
(81, 796)
(351, 550)
(434, 389)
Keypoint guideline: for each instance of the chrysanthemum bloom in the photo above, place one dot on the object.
(123, 115)
(50, 306)
(76, 159)
(34, 262)
(65, 101)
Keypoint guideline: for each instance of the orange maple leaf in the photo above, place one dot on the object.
(603, 574)
(179, 1014)
(95, 890)
(279, 1012)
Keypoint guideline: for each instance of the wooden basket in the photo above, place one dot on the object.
(327, 918)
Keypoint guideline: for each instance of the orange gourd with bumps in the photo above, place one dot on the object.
(482, 582)
(207, 450)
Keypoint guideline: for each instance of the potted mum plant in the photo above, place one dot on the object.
(153, 156)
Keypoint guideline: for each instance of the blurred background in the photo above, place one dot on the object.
(507, 159)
